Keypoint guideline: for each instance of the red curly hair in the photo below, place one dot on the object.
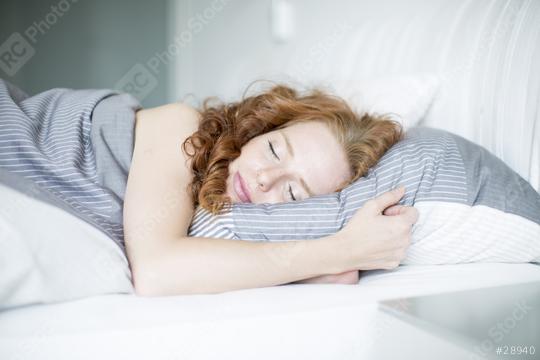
(226, 127)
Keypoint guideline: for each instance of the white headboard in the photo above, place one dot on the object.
(487, 53)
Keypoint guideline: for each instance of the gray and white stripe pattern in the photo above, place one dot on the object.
(433, 165)
(46, 139)
(204, 224)
(68, 143)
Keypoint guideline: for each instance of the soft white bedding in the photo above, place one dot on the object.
(470, 45)
(282, 322)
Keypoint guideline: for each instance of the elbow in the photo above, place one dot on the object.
(154, 278)
(147, 276)
(145, 291)
(142, 283)
(147, 282)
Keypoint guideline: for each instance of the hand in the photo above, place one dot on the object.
(394, 210)
(373, 240)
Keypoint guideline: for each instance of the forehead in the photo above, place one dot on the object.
(318, 157)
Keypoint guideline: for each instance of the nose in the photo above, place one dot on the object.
(268, 177)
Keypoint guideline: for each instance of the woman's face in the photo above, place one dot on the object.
(294, 163)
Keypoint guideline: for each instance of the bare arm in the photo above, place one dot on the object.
(195, 265)
(158, 211)
(192, 265)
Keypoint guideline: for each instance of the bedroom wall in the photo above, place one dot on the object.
(169, 50)
(484, 51)
(85, 44)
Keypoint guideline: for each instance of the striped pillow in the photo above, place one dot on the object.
(472, 206)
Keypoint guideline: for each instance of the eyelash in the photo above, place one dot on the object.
(277, 157)
(272, 150)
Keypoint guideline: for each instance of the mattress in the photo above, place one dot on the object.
(292, 321)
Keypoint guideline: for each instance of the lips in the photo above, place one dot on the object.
(241, 189)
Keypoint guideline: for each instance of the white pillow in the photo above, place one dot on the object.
(49, 255)
(407, 97)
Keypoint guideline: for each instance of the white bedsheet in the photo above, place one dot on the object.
(298, 321)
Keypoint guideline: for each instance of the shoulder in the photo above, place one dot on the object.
(159, 133)
(173, 108)
(170, 123)
(158, 177)
(174, 116)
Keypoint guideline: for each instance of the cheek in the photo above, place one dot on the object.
(232, 168)
(233, 164)
(248, 159)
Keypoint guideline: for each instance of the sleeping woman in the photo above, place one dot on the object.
(177, 188)
(282, 166)
(275, 147)
(472, 207)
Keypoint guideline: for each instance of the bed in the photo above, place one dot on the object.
(300, 321)
(478, 48)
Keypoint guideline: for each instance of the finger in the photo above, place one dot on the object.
(386, 199)
(409, 213)
(393, 210)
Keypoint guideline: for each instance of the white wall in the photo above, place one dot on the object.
(485, 51)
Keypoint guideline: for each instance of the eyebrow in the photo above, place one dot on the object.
(291, 153)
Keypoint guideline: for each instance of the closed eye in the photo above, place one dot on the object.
(277, 157)
(292, 195)
(272, 149)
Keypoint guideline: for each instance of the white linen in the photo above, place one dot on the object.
(452, 233)
(48, 254)
(406, 98)
(61, 257)
(309, 321)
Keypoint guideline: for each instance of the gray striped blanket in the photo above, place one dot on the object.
(74, 144)
(77, 145)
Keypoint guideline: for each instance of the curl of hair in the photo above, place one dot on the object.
(226, 127)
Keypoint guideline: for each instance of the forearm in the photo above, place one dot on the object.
(199, 265)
